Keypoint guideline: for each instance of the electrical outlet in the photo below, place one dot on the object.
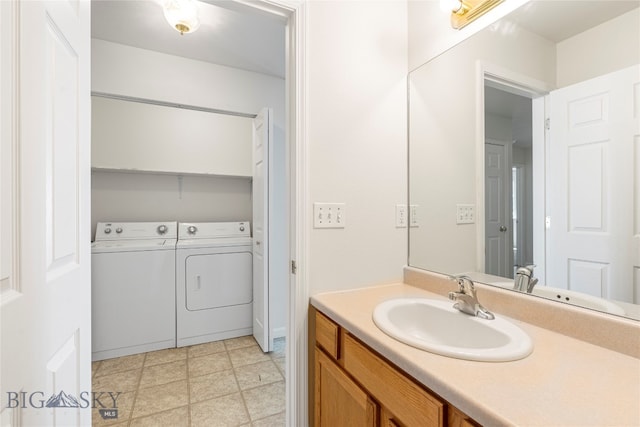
(401, 216)
(329, 215)
(413, 216)
(465, 214)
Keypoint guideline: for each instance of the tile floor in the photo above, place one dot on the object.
(222, 383)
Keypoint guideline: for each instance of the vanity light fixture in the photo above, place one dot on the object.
(182, 15)
(464, 12)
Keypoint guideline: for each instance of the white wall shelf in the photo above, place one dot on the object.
(133, 136)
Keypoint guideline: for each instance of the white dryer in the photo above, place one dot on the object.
(133, 288)
(214, 282)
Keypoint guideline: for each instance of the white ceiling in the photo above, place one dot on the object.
(228, 35)
(557, 20)
(235, 36)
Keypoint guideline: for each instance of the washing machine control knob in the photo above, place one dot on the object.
(107, 230)
(119, 230)
(162, 229)
(192, 229)
(242, 228)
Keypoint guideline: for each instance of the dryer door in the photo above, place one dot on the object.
(218, 280)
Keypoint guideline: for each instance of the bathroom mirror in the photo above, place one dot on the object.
(524, 149)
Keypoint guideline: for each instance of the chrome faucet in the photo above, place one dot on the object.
(467, 300)
(524, 281)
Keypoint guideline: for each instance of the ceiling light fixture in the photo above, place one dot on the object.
(463, 12)
(182, 15)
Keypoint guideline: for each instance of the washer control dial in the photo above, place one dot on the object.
(192, 229)
(242, 228)
(119, 230)
(107, 230)
(162, 229)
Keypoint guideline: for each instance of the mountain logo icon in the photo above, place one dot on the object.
(62, 400)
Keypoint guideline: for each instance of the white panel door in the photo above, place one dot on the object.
(46, 321)
(262, 135)
(593, 173)
(498, 247)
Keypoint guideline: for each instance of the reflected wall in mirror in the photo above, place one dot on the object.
(524, 149)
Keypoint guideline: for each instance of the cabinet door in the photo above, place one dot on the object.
(340, 401)
(398, 393)
(388, 420)
(458, 419)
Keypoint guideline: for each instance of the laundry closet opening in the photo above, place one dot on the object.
(188, 136)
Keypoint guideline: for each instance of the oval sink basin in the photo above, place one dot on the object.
(437, 327)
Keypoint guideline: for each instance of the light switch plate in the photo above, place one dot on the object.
(329, 215)
(465, 214)
(401, 216)
(413, 216)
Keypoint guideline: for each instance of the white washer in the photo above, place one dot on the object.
(214, 282)
(133, 288)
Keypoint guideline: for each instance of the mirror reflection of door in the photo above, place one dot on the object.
(508, 182)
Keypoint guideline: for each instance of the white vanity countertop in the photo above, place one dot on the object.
(564, 381)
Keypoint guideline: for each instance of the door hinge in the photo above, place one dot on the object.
(547, 124)
(294, 267)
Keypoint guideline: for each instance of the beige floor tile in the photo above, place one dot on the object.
(206, 348)
(162, 374)
(178, 417)
(120, 424)
(213, 385)
(247, 356)
(121, 381)
(165, 356)
(160, 398)
(124, 403)
(257, 374)
(223, 411)
(94, 368)
(265, 401)
(277, 420)
(119, 364)
(240, 342)
(281, 363)
(208, 364)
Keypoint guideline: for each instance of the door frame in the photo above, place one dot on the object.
(519, 84)
(293, 13)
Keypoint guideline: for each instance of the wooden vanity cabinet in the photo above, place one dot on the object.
(354, 386)
(339, 400)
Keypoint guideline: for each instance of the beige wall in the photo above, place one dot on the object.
(357, 68)
(611, 46)
(120, 196)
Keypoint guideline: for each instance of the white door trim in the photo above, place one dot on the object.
(510, 81)
(293, 11)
